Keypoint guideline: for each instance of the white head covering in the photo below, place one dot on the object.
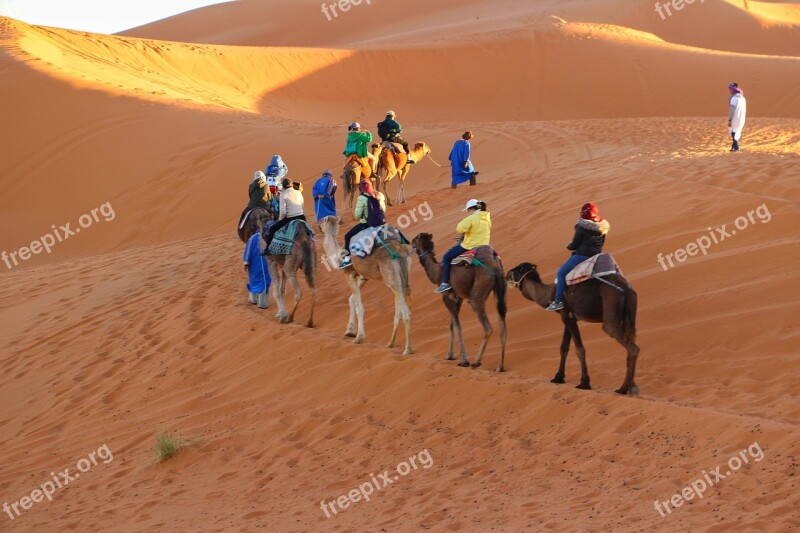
(471, 203)
(258, 175)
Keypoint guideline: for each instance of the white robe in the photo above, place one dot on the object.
(739, 113)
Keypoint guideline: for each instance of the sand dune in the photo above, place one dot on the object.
(139, 324)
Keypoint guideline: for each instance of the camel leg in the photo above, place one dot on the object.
(572, 324)
(629, 386)
(480, 310)
(565, 340)
(313, 290)
(350, 331)
(297, 295)
(278, 291)
(395, 323)
(359, 314)
(405, 312)
(453, 305)
(450, 355)
(503, 337)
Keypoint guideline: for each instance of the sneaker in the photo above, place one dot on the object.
(555, 306)
(346, 262)
(444, 287)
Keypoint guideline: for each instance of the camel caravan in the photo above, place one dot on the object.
(280, 243)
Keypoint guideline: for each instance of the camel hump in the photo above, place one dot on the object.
(394, 147)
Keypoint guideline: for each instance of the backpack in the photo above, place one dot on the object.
(383, 130)
(375, 215)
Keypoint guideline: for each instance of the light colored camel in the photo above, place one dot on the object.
(391, 267)
(391, 164)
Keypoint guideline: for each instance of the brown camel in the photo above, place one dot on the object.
(281, 267)
(590, 301)
(354, 171)
(391, 267)
(246, 229)
(396, 164)
(473, 283)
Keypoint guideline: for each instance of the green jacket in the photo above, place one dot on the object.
(357, 142)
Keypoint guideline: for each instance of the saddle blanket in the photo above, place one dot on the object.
(394, 147)
(596, 266)
(283, 240)
(468, 258)
(363, 244)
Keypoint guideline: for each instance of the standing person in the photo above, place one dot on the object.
(358, 145)
(291, 207)
(476, 230)
(255, 266)
(590, 235)
(370, 212)
(736, 114)
(324, 196)
(390, 130)
(460, 162)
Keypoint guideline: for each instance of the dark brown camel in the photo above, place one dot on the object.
(590, 301)
(473, 283)
(250, 226)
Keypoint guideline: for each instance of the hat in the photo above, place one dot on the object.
(471, 203)
(259, 176)
(391, 113)
(354, 126)
(589, 212)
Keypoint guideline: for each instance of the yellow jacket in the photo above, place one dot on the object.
(477, 229)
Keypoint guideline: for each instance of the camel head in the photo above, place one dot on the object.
(422, 244)
(329, 226)
(521, 271)
(424, 147)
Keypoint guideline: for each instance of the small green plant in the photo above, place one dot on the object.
(167, 445)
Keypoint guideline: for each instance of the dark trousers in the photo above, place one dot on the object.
(399, 140)
(735, 142)
(352, 233)
(451, 254)
(279, 224)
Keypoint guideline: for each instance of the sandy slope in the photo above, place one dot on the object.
(139, 324)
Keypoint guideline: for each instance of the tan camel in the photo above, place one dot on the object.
(380, 265)
(353, 172)
(475, 284)
(590, 301)
(396, 164)
(281, 267)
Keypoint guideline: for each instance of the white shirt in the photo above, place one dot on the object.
(291, 203)
(738, 112)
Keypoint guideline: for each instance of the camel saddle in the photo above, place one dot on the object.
(366, 242)
(597, 266)
(468, 258)
(394, 147)
(283, 240)
(353, 158)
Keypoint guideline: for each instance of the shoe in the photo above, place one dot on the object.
(411, 161)
(444, 287)
(555, 306)
(475, 172)
(346, 262)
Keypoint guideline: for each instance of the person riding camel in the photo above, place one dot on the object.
(590, 235)
(476, 230)
(390, 130)
(358, 145)
(291, 208)
(260, 195)
(370, 212)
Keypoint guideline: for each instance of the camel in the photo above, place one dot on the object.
(281, 267)
(473, 283)
(380, 265)
(248, 228)
(397, 165)
(352, 174)
(590, 301)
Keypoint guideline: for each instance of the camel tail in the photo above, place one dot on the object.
(500, 288)
(309, 261)
(629, 314)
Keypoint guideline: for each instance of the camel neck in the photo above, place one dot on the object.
(432, 267)
(535, 290)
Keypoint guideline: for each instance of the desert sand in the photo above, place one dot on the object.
(140, 324)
